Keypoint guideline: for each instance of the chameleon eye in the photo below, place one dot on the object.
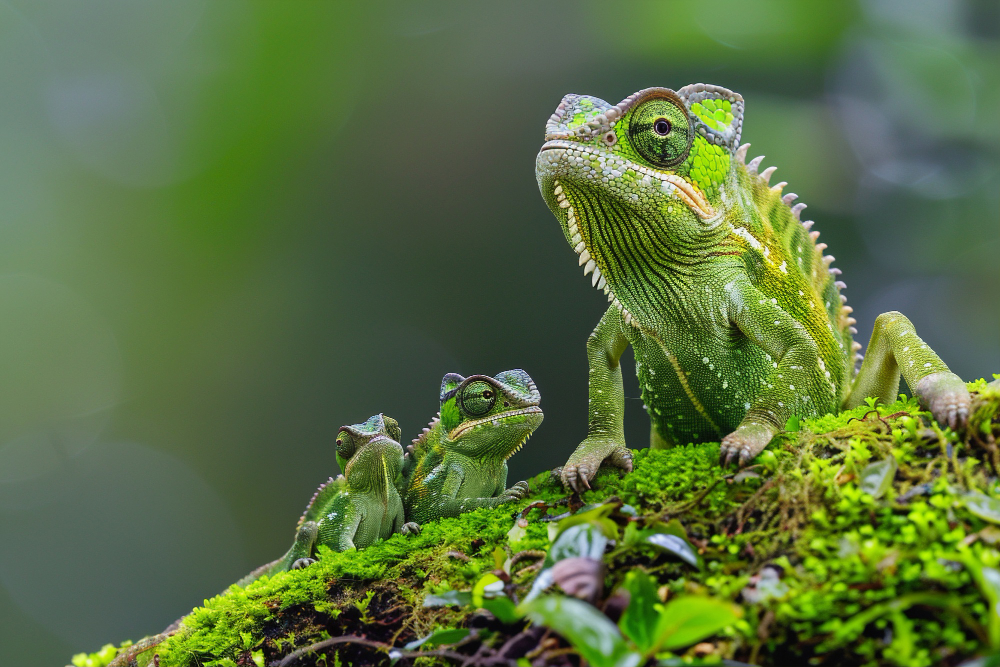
(345, 445)
(660, 131)
(478, 398)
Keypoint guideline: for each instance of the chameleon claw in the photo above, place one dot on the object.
(730, 456)
(575, 477)
(517, 492)
(744, 457)
(302, 563)
(622, 458)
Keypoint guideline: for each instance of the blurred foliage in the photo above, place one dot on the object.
(227, 228)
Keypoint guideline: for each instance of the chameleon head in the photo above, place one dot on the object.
(640, 183)
(485, 417)
(370, 454)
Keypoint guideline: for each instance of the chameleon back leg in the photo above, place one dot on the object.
(896, 349)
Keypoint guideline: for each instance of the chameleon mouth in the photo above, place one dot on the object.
(495, 420)
(577, 153)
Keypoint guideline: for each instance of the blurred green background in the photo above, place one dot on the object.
(228, 228)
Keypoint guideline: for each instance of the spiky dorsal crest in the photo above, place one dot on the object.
(762, 180)
(326, 491)
(424, 442)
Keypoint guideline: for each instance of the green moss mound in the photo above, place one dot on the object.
(865, 538)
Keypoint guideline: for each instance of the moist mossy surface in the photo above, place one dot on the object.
(864, 538)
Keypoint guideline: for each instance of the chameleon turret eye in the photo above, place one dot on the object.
(478, 398)
(345, 445)
(660, 130)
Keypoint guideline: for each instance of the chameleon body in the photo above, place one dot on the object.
(459, 462)
(357, 509)
(734, 313)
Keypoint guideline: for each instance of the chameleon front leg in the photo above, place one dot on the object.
(517, 492)
(895, 348)
(798, 383)
(339, 532)
(449, 504)
(605, 439)
(399, 522)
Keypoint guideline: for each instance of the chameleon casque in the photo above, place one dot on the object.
(733, 312)
(356, 509)
(459, 462)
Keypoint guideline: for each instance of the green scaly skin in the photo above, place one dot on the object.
(353, 511)
(357, 509)
(459, 462)
(733, 312)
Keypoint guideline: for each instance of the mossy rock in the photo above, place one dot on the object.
(835, 558)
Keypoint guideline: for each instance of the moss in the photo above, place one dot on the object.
(825, 571)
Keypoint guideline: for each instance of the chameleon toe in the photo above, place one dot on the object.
(302, 563)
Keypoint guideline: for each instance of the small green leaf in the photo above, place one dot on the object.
(590, 632)
(459, 598)
(640, 618)
(984, 506)
(488, 586)
(676, 546)
(439, 637)
(579, 541)
(793, 424)
(989, 582)
(686, 620)
(672, 527)
(503, 609)
(258, 657)
(516, 534)
(876, 477)
(499, 556)
(596, 515)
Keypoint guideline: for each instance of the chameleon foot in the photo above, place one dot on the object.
(516, 492)
(743, 444)
(303, 562)
(576, 474)
(946, 397)
(410, 528)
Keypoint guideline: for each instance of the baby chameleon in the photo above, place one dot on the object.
(733, 311)
(355, 510)
(459, 462)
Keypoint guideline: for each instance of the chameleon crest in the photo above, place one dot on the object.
(733, 310)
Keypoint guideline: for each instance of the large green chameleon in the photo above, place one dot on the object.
(459, 462)
(733, 311)
(359, 508)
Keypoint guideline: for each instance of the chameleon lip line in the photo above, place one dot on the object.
(534, 409)
(691, 197)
